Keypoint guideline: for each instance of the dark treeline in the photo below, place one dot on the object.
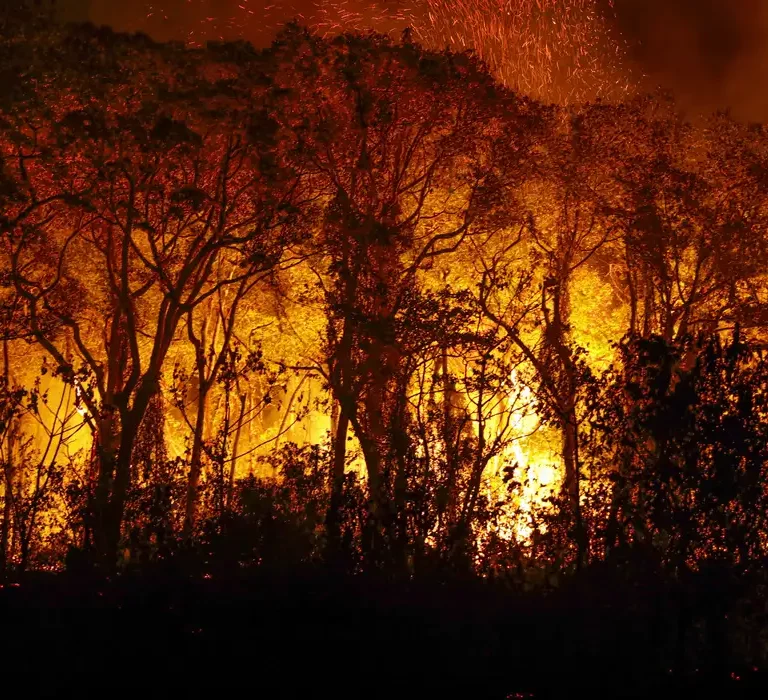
(447, 287)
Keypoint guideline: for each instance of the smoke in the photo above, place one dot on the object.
(713, 54)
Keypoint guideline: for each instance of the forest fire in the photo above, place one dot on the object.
(356, 304)
(227, 302)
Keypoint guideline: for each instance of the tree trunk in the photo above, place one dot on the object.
(7, 515)
(400, 449)
(375, 543)
(450, 439)
(572, 484)
(235, 447)
(333, 516)
(463, 528)
(5, 529)
(632, 287)
(195, 466)
(571, 456)
(115, 471)
(120, 488)
(24, 542)
(556, 321)
(112, 489)
(340, 375)
(107, 458)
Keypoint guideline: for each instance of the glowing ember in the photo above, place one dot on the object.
(550, 49)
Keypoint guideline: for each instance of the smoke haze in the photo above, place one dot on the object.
(712, 54)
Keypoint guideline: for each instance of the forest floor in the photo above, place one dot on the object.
(306, 635)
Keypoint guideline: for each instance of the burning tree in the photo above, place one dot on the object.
(412, 154)
(131, 209)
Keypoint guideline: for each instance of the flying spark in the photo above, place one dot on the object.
(555, 50)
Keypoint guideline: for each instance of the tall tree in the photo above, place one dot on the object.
(136, 207)
(413, 152)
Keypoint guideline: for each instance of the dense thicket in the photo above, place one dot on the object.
(351, 303)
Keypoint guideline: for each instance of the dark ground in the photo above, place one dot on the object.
(309, 636)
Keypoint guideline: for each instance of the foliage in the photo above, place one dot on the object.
(279, 523)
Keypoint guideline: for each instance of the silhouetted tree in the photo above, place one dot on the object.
(408, 152)
(153, 203)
